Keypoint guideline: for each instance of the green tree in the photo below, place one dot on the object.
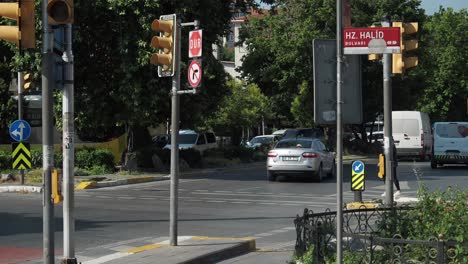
(244, 107)
(444, 64)
(280, 57)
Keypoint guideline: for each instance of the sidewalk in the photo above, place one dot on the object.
(190, 249)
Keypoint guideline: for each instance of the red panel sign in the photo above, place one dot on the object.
(371, 40)
(195, 43)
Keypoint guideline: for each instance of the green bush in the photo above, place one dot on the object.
(36, 158)
(5, 160)
(193, 157)
(87, 158)
(144, 156)
(243, 153)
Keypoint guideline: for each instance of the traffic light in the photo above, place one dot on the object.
(23, 34)
(60, 12)
(27, 82)
(56, 190)
(381, 164)
(400, 60)
(166, 25)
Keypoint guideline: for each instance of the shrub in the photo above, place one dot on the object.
(144, 155)
(5, 160)
(193, 157)
(243, 153)
(36, 158)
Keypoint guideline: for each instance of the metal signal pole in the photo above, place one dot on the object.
(68, 152)
(47, 140)
(339, 136)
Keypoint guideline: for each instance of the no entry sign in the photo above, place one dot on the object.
(194, 74)
(195, 43)
(371, 40)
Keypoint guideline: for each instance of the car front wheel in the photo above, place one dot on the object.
(433, 164)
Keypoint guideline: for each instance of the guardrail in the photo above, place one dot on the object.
(362, 243)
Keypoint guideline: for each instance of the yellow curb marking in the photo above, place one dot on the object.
(359, 205)
(144, 248)
(86, 185)
(140, 179)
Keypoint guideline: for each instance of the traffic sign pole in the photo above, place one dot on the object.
(20, 112)
(339, 136)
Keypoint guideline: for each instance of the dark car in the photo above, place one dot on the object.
(304, 132)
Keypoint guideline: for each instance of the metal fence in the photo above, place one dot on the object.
(363, 241)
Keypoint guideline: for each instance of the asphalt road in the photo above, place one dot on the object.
(225, 203)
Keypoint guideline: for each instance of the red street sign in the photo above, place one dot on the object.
(371, 40)
(194, 73)
(195, 43)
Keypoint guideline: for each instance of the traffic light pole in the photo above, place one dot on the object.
(68, 152)
(388, 139)
(47, 140)
(20, 111)
(339, 135)
(174, 189)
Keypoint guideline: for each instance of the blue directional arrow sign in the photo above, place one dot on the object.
(20, 130)
(358, 166)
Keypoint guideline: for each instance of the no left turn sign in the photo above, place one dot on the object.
(194, 73)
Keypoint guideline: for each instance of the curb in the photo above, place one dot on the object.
(22, 188)
(247, 245)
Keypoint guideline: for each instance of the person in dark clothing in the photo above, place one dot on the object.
(394, 170)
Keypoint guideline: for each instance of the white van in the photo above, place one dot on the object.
(190, 139)
(412, 134)
(450, 143)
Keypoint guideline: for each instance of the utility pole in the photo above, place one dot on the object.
(339, 137)
(47, 139)
(68, 140)
(388, 139)
(20, 110)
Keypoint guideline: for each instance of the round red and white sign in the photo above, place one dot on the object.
(195, 43)
(194, 73)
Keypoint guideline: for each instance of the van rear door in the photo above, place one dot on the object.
(407, 133)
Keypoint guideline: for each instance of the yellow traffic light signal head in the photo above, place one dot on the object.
(165, 43)
(381, 164)
(28, 81)
(401, 61)
(23, 35)
(60, 12)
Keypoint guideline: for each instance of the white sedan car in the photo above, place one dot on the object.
(300, 156)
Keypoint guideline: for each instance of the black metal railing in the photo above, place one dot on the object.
(363, 242)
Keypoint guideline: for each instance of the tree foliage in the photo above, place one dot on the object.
(445, 63)
(244, 107)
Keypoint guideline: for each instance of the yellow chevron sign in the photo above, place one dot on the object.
(357, 176)
(21, 156)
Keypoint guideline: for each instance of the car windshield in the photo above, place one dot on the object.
(261, 140)
(186, 139)
(294, 144)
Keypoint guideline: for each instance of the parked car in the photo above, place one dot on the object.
(412, 134)
(450, 143)
(191, 139)
(300, 157)
(377, 136)
(261, 142)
